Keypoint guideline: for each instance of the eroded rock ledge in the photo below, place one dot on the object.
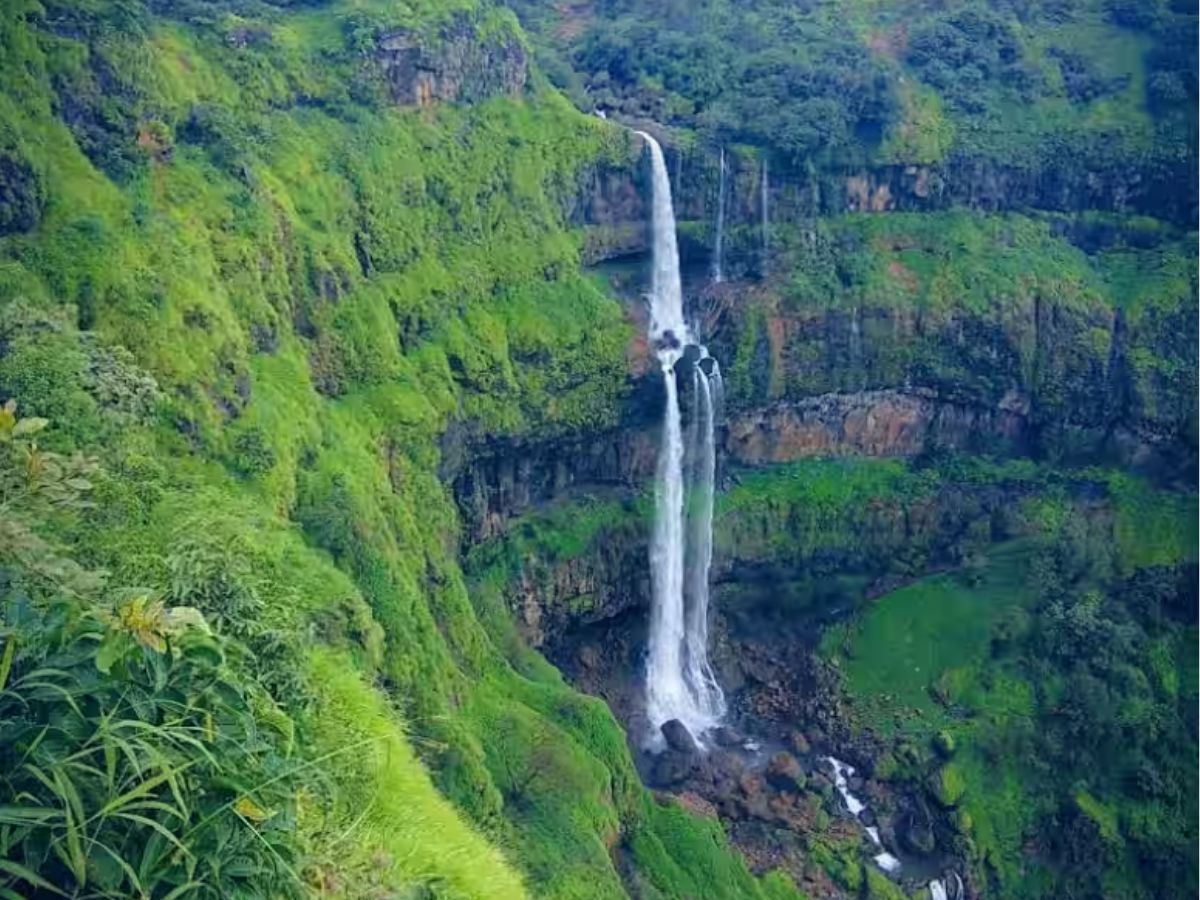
(892, 423)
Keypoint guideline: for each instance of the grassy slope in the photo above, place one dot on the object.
(283, 477)
(920, 661)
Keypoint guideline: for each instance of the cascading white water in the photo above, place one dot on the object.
(940, 890)
(842, 773)
(679, 681)
(668, 331)
(718, 274)
(699, 674)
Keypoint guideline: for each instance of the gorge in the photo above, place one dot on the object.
(376, 520)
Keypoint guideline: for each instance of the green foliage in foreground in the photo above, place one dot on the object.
(1060, 682)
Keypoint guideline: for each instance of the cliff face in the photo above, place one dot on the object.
(871, 423)
(1019, 328)
(1039, 375)
(265, 262)
(461, 62)
(613, 203)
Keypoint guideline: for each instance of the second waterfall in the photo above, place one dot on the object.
(680, 683)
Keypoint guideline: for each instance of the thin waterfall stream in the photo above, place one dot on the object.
(680, 683)
(706, 407)
(938, 889)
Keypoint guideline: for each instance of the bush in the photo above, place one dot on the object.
(132, 763)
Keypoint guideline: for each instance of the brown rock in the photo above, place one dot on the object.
(784, 772)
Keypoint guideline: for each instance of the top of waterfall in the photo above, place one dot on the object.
(668, 330)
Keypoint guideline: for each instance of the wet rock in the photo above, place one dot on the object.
(784, 772)
(668, 341)
(672, 768)
(678, 738)
(727, 736)
(916, 835)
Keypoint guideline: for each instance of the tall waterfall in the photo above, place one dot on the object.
(707, 398)
(764, 187)
(679, 681)
(718, 244)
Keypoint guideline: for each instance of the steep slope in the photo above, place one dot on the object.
(257, 259)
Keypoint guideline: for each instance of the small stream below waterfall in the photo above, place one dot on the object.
(947, 888)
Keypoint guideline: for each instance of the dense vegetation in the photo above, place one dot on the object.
(1040, 692)
(255, 292)
(1046, 695)
(267, 268)
(1024, 83)
(1086, 316)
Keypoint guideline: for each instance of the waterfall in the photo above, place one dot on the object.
(705, 411)
(668, 333)
(764, 186)
(718, 245)
(938, 889)
(679, 680)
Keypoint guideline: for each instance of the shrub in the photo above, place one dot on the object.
(132, 763)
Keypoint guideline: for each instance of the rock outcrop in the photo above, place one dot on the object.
(496, 480)
(882, 423)
(797, 197)
(462, 63)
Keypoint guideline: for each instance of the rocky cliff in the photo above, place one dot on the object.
(613, 203)
(464, 60)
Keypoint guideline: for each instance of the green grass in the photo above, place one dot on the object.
(942, 661)
(401, 830)
(918, 635)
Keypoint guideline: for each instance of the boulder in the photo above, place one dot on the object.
(678, 738)
(784, 772)
(725, 736)
(799, 743)
(673, 768)
(948, 786)
(916, 836)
